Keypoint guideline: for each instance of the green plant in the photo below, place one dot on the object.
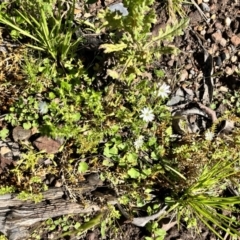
(203, 200)
(7, 189)
(50, 30)
(2, 237)
(4, 133)
(36, 197)
(115, 115)
(133, 47)
(175, 6)
(157, 233)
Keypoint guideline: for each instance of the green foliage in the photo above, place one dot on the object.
(7, 189)
(100, 109)
(2, 237)
(156, 232)
(35, 197)
(82, 167)
(4, 133)
(203, 200)
(46, 27)
(133, 46)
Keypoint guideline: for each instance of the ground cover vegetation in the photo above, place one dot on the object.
(91, 83)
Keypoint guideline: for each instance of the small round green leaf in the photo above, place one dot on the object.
(133, 173)
(82, 167)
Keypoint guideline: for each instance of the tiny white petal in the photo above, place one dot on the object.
(119, 7)
(139, 142)
(43, 107)
(147, 114)
(209, 135)
(163, 91)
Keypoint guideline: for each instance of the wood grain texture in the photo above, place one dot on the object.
(16, 216)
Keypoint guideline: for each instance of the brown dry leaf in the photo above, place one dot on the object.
(47, 144)
(4, 162)
(169, 225)
(4, 150)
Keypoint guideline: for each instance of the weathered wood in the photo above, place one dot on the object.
(16, 216)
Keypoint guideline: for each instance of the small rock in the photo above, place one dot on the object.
(223, 89)
(205, 7)
(200, 28)
(235, 40)
(183, 75)
(6, 153)
(213, 17)
(19, 133)
(192, 71)
(47, 144)
(94, 179)
(210, 30)
(234, 59)
(208, 17)
(227, 54)
(171, 63)
(229, 32)
(188, 66)
(58, 183)
(227, 21)
(218, 26)
(217, 36)
(223, 42)
(229, 71)
(203, 32)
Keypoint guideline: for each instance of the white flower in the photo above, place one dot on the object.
(147, 114)
(163, 91)
(139, 142)
(43, 107)
(209, 135)
(119, 7)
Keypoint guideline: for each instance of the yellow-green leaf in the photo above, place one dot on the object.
(113, 47)
(113, 74)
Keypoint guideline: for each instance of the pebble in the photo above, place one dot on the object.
(213, 17)
(19, 133)
(205, 7)
(235, 40)
(223, 42)
(183, 75)
(171, 63)
(47, 144)
(192, 71)
(218, 26)
(13, 146)
(203, 32)
(227, 54)
(217, 36)
(229, 71)
(4, 150)
(227, 21)
(200, 28)
(234, 59)
(218, 61)
(223, 89)
(188, 66)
